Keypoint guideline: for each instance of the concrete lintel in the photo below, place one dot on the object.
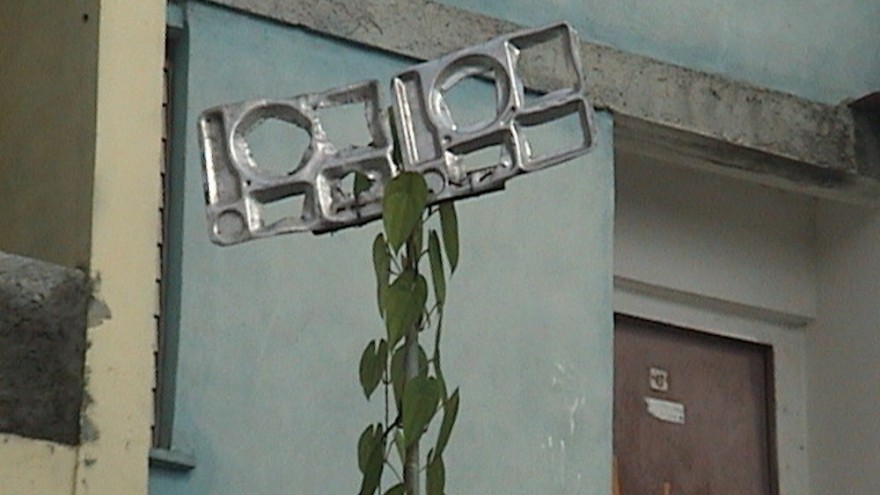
(866, 115)
(633, 136)
(758, 133)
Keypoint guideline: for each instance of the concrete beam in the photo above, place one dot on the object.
(661, 110)
(42, 348)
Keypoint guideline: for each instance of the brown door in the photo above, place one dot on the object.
(691, 412)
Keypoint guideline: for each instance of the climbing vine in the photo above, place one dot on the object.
(415, 392)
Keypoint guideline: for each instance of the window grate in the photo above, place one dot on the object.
(163, 400)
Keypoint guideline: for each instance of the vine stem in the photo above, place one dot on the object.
(411, 370)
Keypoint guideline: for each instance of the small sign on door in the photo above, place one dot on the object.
(665, 410)
(658, 379)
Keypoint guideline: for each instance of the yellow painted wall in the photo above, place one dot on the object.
(48, 60)
(124, 229)
(35, 467)
(80, 148)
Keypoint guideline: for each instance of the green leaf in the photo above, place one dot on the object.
(367, 369)
(417, 239)
(367, 444)
(420, 398)
(404, 303)
(449, 226)
(400, 445)
(382, 354)
(397, 489)
(438, 370)
(405, 198)
(382, 267)
(372, 365)
(398, 371)
(423, 361)
(372, 450)
(450, 412)
(436, 476)
(361, 183)
(437, 274)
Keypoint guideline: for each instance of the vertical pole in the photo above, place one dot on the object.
(411, 468)
(411, 369)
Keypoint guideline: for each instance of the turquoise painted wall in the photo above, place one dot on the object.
(825, 50)
(270, 332)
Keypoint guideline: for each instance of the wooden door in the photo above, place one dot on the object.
(692, 412)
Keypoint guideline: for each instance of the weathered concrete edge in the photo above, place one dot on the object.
(43, 314)
(635, 137)
(760, 131)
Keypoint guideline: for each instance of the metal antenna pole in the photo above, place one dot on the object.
(411, 466)
(411, 370)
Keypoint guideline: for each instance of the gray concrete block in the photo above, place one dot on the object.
(42, 348)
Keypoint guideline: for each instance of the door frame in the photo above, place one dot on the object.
(769, 382)
(786, 392)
